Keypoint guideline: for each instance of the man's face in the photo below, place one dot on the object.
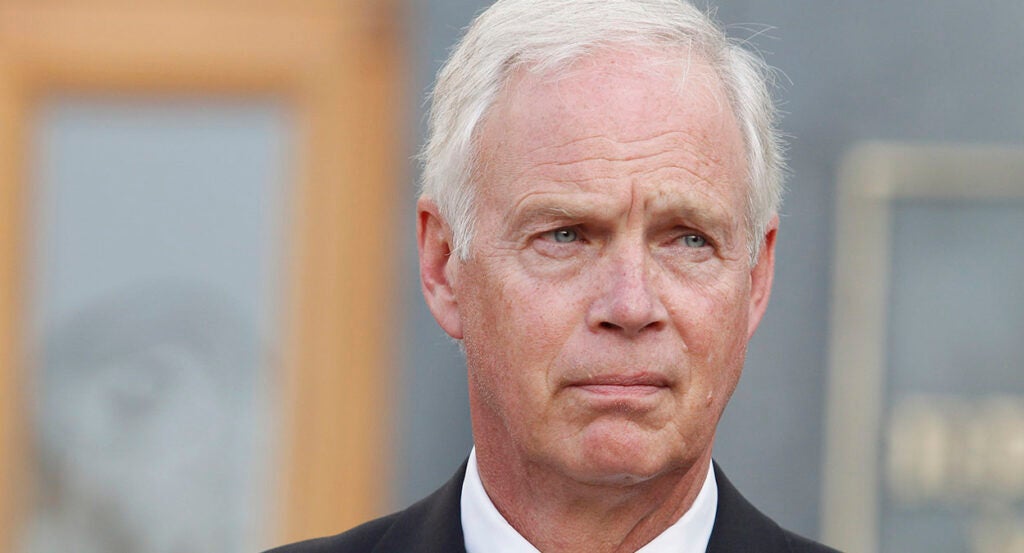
(608, 299)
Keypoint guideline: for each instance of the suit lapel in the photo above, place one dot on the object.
(739, 526)
(433, 525)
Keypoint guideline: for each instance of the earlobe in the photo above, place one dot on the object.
(761, 276)
(438, 267)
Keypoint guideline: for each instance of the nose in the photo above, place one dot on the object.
(628, 301)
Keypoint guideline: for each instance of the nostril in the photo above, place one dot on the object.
(654, 325)
(609, 326)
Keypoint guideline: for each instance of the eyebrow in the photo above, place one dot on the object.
(711, 218)
(525, 221)
(532, 214)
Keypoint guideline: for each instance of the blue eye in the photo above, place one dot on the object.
(695, 241)
(564, 235)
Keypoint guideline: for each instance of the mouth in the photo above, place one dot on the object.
(622, 385)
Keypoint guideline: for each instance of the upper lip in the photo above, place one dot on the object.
(630, 379)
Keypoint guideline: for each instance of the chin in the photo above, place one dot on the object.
(605, 471)
(623, 456)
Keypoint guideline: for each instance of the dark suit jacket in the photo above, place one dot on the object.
(434, 525)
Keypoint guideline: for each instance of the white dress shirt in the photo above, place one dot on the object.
(486, 531)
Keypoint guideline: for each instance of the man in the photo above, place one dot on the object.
(597, 227)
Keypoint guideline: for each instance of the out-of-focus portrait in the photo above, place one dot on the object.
(212, 335)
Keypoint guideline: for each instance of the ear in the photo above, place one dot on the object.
(761, 277)
(438, 267)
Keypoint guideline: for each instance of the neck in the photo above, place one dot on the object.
(556, 513)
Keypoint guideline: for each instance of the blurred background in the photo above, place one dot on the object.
(211, 331)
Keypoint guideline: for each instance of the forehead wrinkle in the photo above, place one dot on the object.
(566, 144)
(563, 88)
(699, 151)
(598, 159)
(576, 174)
(712, 180)
(700, 142)
(606, 139)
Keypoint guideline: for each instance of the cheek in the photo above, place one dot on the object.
(706, 317)
(535, 313)
(712, 323)
(515, 331)
(730, 350)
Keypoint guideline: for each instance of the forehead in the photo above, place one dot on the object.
(615, 106)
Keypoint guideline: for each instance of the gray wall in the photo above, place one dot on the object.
(926, 70)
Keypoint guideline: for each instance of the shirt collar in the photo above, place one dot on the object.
(486, 531)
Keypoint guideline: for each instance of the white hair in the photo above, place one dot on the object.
(546, 35)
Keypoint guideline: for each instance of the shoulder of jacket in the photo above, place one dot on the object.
(800, 544)
(360, 539)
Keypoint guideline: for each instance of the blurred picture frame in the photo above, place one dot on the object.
(337, 67)
(874, 177)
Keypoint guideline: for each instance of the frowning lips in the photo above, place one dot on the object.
(631, 384)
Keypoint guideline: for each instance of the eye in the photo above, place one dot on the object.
(564, 235)
(695, 241)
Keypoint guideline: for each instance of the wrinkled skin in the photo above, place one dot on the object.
(608, 298)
